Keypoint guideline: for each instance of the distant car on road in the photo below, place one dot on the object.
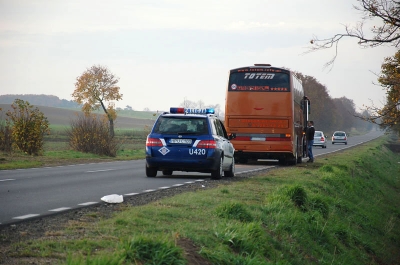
(339, 137)
(319, 139)
(191, 140)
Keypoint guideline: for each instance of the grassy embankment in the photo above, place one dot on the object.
(343, 209)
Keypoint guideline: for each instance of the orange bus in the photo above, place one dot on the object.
(266, 113)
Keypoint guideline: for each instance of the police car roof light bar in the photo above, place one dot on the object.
(177, 110)
(192, 111)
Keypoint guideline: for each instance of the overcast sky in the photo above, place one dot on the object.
(164, 52)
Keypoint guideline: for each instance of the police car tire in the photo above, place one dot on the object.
(167, 172)
(231, 172)
(151, 172)
(217, 174)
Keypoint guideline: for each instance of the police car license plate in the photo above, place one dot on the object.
(180, 141)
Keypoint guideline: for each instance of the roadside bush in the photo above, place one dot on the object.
(5, 135)
(27, 126)
(91, 134)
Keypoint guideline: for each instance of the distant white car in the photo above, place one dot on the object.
(339, 137)
(319, 139)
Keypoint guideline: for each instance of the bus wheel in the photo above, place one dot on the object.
(282, 161)
(243, 160)
(299, 159)
(293, 161)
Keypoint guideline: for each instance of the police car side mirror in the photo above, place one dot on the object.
(231, 136)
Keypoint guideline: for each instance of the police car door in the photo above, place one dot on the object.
(226, 145)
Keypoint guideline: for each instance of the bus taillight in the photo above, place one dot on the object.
(278, 139)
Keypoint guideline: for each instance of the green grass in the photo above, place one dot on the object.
(342, 209)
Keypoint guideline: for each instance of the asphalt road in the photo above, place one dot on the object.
(29, 193)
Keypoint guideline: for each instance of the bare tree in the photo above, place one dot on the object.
(387, 32)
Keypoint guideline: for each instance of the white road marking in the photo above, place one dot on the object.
(87, 203)
(26, 216)
(60, 209)
(128, 194)
(102, 170)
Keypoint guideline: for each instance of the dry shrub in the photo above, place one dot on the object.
(91, 134)
(5, 138)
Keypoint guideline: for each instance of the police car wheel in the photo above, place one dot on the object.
(151, 172)
(167, 172)
(217, 174)
(231, 172)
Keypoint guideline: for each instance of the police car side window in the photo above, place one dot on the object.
(213, 128)
(225, 134)
(218, 128)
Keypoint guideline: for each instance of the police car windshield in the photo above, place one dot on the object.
(181, 125)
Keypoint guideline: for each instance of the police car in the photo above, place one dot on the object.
(190, 140)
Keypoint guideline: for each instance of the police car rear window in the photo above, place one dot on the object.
(181, 125)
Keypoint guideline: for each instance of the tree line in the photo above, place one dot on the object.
(331, 114)
(40, 100)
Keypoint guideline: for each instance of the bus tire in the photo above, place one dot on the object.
(293, 161)
(243, 160)
(282, 161)
(299, 159)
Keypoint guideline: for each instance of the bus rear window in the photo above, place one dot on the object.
(259, 82)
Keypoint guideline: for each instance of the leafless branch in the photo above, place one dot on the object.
(388, 32)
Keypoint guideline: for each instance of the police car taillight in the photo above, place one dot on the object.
(153, 142)
(207, 144)
(191, 111)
